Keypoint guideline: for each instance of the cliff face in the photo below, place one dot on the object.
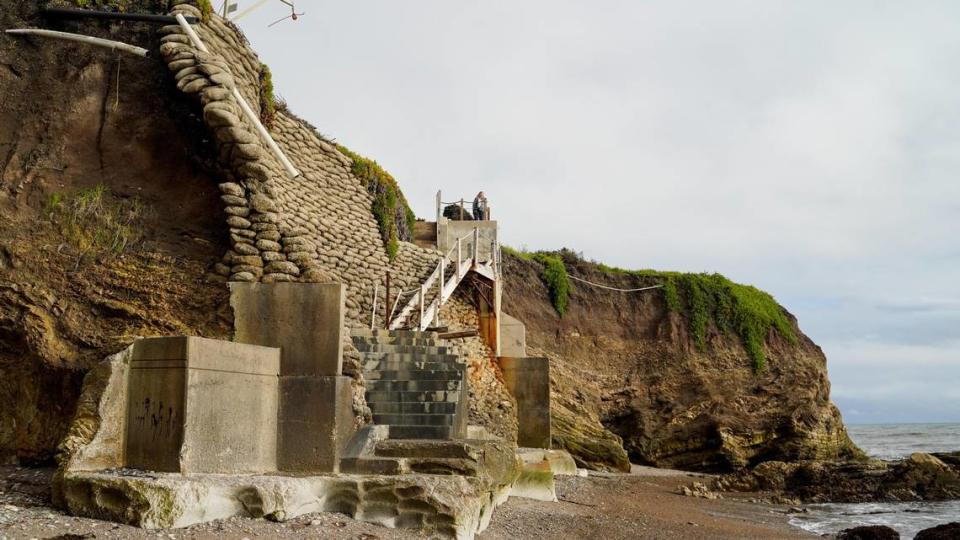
(109, 219)
(628, 363)
(132, 189)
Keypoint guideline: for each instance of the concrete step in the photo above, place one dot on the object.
(410, 361)
(412, 386)
(388, 340)
(445, 466)
(373, 465)
(421, 407)
(413, 375)
(425, 449)
(421, 432)
(402, 349)
(413, 419)
(375, 396)
(379, 332)
(402, 465)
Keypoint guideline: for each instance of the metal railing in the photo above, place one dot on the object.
(428, 312)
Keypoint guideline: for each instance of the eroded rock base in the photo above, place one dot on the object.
(447, 506)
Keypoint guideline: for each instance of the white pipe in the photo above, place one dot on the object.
(89, 40)
(247, 11)
(247, 111)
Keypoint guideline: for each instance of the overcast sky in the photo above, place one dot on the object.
(808, 148)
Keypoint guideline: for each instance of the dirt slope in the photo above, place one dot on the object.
(625, 361)
(74, 118)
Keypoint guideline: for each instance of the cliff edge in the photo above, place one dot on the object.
(699, 374)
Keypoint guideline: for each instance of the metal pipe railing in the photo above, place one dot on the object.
(80, 38)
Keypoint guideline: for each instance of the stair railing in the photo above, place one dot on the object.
(445, 286)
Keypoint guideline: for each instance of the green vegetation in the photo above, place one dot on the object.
(390, 208)
(268, 103)
(206, 9)
(703, 299)
(95, 222)
(161, 6)
(554, 274)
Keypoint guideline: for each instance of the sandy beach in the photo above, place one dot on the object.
(643, 504)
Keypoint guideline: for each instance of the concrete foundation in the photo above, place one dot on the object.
(316, 423)
(528, 380)
(304, 319)
(513, 337)
(199, 405)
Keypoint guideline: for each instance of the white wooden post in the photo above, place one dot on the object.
(423, 293)
(459, 258)
(373, 313)
(476, 245)
(442, 282)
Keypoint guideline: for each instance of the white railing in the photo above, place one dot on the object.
(445, 285)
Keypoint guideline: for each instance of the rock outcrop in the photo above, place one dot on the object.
(921, 477)
(627, 366)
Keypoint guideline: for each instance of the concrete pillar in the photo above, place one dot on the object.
(528, 380)
(305, 320)
(202, 406)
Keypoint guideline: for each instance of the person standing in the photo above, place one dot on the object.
(480, 207)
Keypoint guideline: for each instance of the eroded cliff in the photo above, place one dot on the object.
(656, 369)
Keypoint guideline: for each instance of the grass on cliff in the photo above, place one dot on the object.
(394, 216)
(554, 275)
(96, 223)
(268, 102)
(702, 299)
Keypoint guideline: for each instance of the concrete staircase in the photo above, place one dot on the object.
(415, 385)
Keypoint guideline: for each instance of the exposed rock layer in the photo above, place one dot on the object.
(626, 360)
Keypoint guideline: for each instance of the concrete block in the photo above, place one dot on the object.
(513, 337)
(528, 380)
(315, 424)
(199, 405)
(304, 320)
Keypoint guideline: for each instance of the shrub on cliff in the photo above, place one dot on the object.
(390, 208)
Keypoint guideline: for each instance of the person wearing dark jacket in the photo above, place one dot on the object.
(480, 207)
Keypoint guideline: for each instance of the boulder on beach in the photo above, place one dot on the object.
(869, 532)
(947, 531)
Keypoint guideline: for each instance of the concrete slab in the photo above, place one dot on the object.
(199, 405)
(528, 380)
(559, 461)
(316, 423)
(305, 320)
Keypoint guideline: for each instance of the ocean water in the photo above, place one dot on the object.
(890, 441)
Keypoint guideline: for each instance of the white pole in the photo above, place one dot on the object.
(247, 11)
(439, 204)
(247, 111)
(373, 313)
(442, 282)
(423, 292)
(89, 40)
(459, 258)
(476, 245)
